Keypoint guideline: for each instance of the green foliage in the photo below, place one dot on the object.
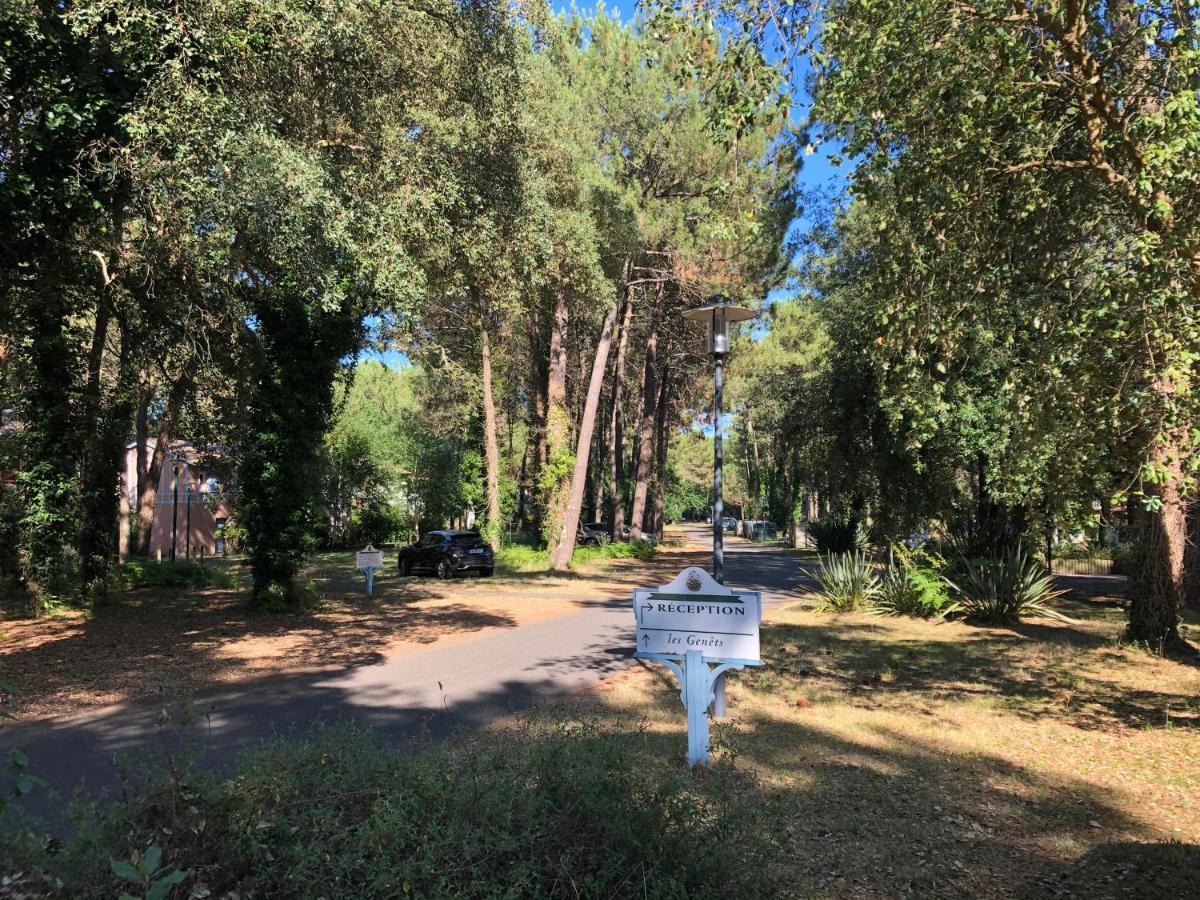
(1019, 205)
(848, 582)
(364, 491)
(1006, 589)
(144, 871)
(683, 498)
(11, 586)
(838, 535)
(1129, 560)
(913, 585)
(18, 780)
(515, 814)
(521, 558)
(640, 550)
(182, 573)
(975, 539)
(300, 346)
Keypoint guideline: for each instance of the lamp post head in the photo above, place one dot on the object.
(719, 312)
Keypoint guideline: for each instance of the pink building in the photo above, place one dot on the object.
(190, 511)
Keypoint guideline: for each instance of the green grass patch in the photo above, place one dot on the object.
(520, 558)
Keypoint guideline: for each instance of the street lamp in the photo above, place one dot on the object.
(718, 313)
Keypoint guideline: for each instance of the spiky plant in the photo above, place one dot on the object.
(848, 582)
(1011, 587)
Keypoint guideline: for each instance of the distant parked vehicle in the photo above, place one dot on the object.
(590, 534)
(446, 553)
(729, 524)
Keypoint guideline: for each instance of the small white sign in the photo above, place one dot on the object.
(694, 612)
(370, 558)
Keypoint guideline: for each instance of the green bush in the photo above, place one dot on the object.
(520, 558)
(842, 534)
(615, 550)
(182, 573)
(1128, 560)
(848, 582)
(576, 812)
(923, 593)
(1066, 550)
(1005, 589)
(913, 585)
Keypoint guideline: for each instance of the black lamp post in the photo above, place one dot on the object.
(718, 313)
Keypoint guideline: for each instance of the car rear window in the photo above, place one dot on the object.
(466, 540)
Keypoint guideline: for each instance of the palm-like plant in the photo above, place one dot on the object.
(1006, 589)
(848, 581)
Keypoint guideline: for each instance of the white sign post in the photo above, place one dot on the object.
(369, 559)
(689, 625)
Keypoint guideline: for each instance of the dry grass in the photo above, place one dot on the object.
(898, 757)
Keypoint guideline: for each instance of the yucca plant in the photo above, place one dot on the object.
(1006, 589)
(848, 581)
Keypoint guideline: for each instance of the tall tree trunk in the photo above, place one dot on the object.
(755, 483)
(1154, 611)
(645, 435)
(101, 481)
(491, 445)
(534, 458)
(148, 495)
(566, 543)
(141, 439)
(660, 475)
(555, 480)
(597, 470)
(616, 425)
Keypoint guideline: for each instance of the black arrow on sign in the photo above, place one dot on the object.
(646, 606)
(645, 638)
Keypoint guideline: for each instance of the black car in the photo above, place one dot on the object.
(591, 533)
(444, 553)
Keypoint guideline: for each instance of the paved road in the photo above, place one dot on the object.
(423, 694)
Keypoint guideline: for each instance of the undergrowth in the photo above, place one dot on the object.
(520, 558)
(565, 813)
(181, 573)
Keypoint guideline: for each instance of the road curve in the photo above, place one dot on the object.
(426, 694)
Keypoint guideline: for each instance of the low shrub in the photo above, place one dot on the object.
(1128, 560)
(1005, 589)
(181, 573)
(848, 582)
(616, 550)
(913, 586)
(841, 534)
(517, 814)
(1065, 550)
(519, 558)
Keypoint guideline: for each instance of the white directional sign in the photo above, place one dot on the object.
(369, 558)
(694, 612)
